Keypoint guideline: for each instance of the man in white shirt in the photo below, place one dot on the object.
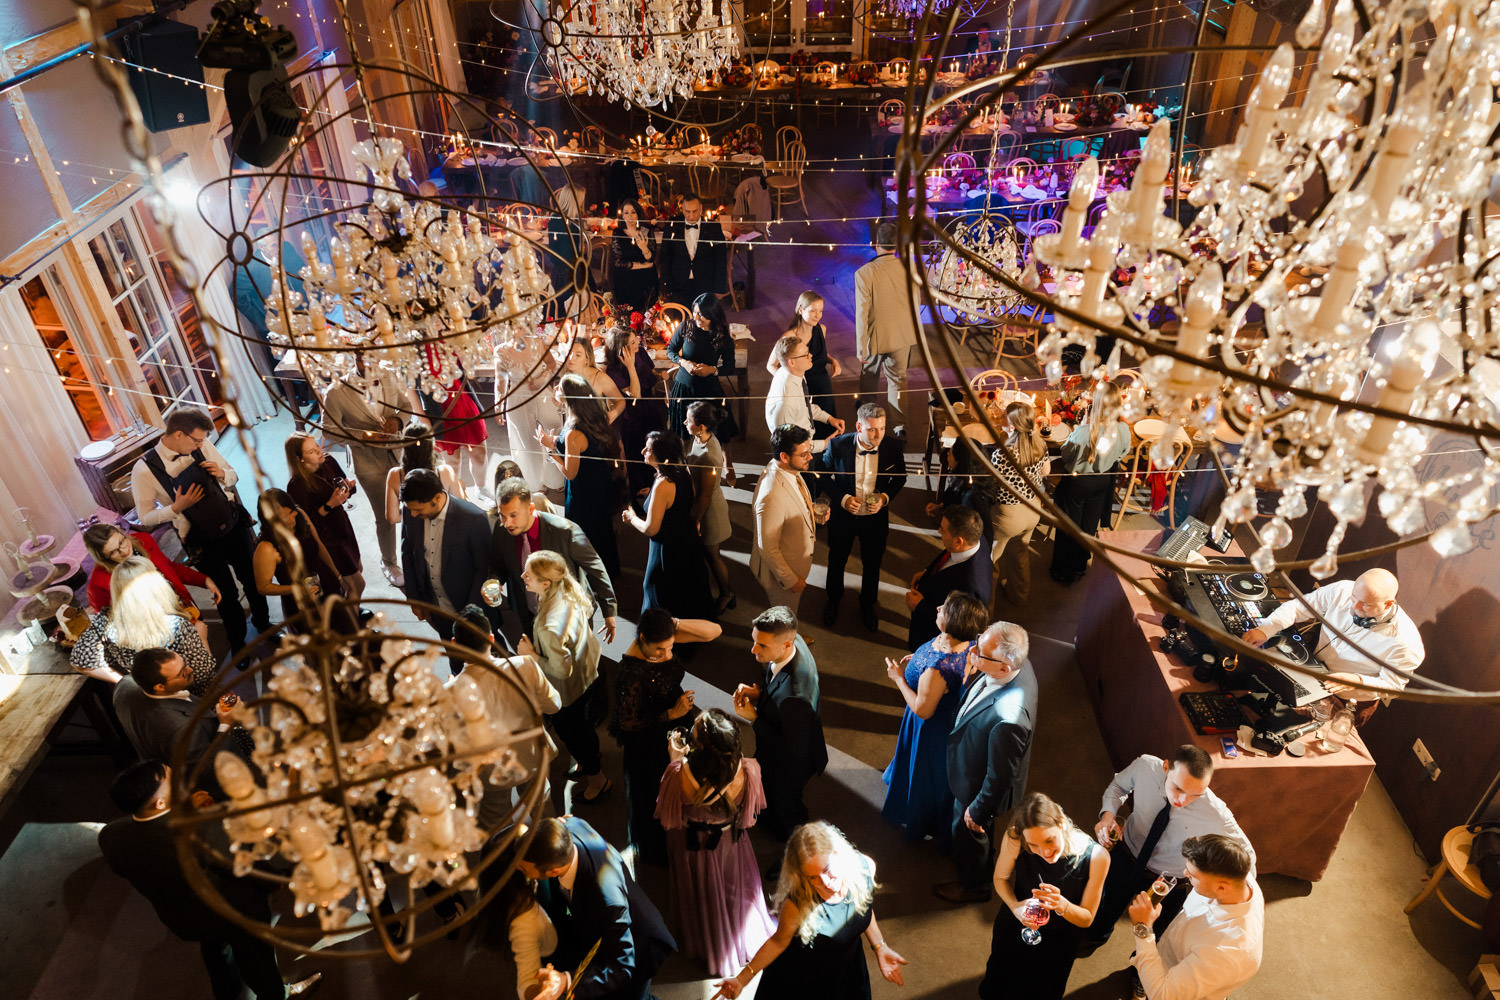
(186, 481)
(1170, 802)
(1215, 946)
(1365, 610)
(787, 401)
(781, 558)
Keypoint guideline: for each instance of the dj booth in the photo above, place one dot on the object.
(1293, 809)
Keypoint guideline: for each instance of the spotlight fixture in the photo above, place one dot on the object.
(263, 115)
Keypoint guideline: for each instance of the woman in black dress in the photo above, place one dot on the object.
(676, 568)
(825, 903)
(807, 326)
(703, 352)
(586, 450)
(649, 703)
(632, 262)
(1046, 860)
(629, 366)
(318, 485)
(273, 569)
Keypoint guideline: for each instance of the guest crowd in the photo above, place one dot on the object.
(500, 565)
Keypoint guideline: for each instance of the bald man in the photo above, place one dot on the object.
(1365, 610)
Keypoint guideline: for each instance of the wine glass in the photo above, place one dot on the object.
(1036, 912)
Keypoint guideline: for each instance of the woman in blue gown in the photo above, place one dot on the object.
(931, 682)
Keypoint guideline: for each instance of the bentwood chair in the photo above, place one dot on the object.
(786, 183)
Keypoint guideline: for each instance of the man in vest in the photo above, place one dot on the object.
(186, 481)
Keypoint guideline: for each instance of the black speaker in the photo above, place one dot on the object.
(167, 102)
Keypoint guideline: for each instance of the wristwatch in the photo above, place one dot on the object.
(1142, 931)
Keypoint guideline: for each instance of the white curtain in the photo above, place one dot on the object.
(202, 245)
(42, 434)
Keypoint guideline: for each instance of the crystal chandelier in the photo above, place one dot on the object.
(640, 52)
(976, 293)
(368, 769)
(423, 292)
(1353, 223)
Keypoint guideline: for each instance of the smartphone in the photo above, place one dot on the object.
(1229, 749)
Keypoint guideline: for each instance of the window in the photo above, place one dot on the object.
(56, 323)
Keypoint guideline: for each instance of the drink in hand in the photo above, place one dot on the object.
(1038, 914)
(1163, 885)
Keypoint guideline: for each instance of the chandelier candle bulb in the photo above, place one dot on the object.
(1260, 118)
(388, 271)
(307, 837)
(1407, 373)
(1340, 287)
(1202, 307)
(1391, 169)
(1145, 193)
(1080, 196)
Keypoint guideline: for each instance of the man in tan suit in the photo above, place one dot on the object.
(885, 330)
(784, 520)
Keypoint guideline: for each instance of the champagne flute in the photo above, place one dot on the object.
(1036, 912)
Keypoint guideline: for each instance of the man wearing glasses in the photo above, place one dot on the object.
(989, 752)
(787, 402)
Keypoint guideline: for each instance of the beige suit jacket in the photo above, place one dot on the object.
(566, 648)
(883, 322)
(783, 552)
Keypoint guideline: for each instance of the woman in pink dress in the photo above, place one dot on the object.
(710, 796)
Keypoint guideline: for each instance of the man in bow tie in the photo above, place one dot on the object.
(692, 255)
(869, 468)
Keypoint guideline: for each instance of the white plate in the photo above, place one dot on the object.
(895, 129)
(516, 161)
(742, 157)
(1139, 126)
(95, 450)
(1065, 127)
(1064, 116)
(1033, 193)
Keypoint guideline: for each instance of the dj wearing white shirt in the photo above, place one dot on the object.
(1365, 610)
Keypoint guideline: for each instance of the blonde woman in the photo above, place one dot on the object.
(1089, 457)
(825, 903)
(1049, 868)
(1014, 514)
(807, 327)
(144, 613)
(580, 361)
(563, 642)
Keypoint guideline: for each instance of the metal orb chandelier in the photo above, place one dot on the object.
(639, 52)
(1332, 297)
(366, 771)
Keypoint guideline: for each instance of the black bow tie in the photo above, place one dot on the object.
(872, 451)
(690, 225)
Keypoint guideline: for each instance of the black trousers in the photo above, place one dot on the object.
(645, 759)
(240, 961)
(576, 733)
(971, 852)
(226, 560)
(871, 530)
(785, 810)
(1086, 500)
(1121, 885)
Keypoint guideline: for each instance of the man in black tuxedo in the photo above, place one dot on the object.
(964, 564)
(587, 892)
(692, 255)
(139, 847)
(522, 530)
(868, 470)
(784, 713)
(445, 548)
(989, 752)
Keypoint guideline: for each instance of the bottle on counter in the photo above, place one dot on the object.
(1336, 730)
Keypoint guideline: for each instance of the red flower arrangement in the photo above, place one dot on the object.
(864, 74)
(802, 57)
(737, 75)
(746, 140)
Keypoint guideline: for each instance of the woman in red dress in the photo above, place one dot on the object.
(109, 546)
(461, 431)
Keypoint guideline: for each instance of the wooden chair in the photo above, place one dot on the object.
(675, 313)
(544, 137)
(650, 185)
(958, 161)
(1455, 862)
(1135, 492)
(899, 68)
(705, 179)
(785, 136)
(1075, 147)
(593, 137)
(692, 136)
(601, 259)
(892, 110)
(788, 179)
(993, 380)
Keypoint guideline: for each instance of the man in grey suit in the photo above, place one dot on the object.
(522, 530)
(782, 555)
(989, 752)
(885, 324)
(445, 549)
(155, 707)
(364, 411)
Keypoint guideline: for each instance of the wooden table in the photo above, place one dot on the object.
(1293, 810)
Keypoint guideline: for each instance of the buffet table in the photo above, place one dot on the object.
(1293, 810)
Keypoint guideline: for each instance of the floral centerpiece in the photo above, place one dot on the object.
(746, 140)
(802, 59)
(736, 75)
(667, 208)
(1099, 109)
(598, 219)
(864, 74)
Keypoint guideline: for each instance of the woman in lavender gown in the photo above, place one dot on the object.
(709, 798)
(931, 681)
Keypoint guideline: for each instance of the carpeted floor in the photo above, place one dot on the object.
(70, 929)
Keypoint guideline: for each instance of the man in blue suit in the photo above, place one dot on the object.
(989, 752)
(445, 548)
(783, 710)
(868, 470)
(587, 892)
(964, 564)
